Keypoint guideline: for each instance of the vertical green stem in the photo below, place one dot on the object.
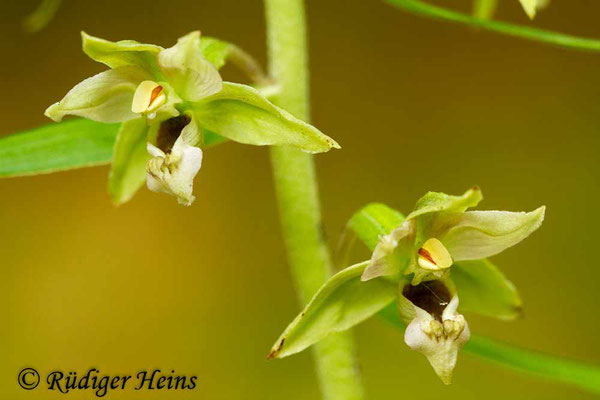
(297, 194)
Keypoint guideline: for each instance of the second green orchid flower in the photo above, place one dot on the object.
(423, 262)
(167, 100)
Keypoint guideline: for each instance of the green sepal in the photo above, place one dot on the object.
(105, 97)
(436, 202)
(342, 302)
(474, 235)
(242, 114)
(128, 170)
(122, 53)
(532, 6)
(485, 290)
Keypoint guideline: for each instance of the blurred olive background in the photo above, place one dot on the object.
(417, 105)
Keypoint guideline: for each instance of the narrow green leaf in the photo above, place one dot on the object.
(342, 302)
(374, 220)
(525, 32)
(71, 144)
(485, 290)
(75, 143)
(128, 169)
(545, 366)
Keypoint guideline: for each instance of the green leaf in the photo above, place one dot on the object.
(373, 221)
(434, 202)
(128, 170)
(240, 113)
(485, 290)
(525, 32)
(105, 97)
(545, 366)
(122, 53)
(342, 302)
(71, 144)
(76, 143)
(479, 234)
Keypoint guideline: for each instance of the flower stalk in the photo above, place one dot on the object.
(297, 195)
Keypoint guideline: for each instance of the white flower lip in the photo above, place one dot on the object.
(438, 335)
(175, 162)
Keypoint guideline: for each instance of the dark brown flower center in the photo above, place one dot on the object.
(169, 131)
(431, 296)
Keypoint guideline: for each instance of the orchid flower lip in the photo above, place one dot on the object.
(435, 329)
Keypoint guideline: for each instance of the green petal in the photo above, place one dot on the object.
(479, 234)
(128, 171)
(392, 253)
(215, 51)
(123, 53)
(434, 202)
(240, 113)
(192, 76)
(342, 302)
(485, 290)
(373, 221)
(105, 97)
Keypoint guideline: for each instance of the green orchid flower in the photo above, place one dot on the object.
(440, 231)
(167, 100)
(423, 263)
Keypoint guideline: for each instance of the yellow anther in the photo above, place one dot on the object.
(148, 97)
(433, 256)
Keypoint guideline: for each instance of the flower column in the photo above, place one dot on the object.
(297, 194)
